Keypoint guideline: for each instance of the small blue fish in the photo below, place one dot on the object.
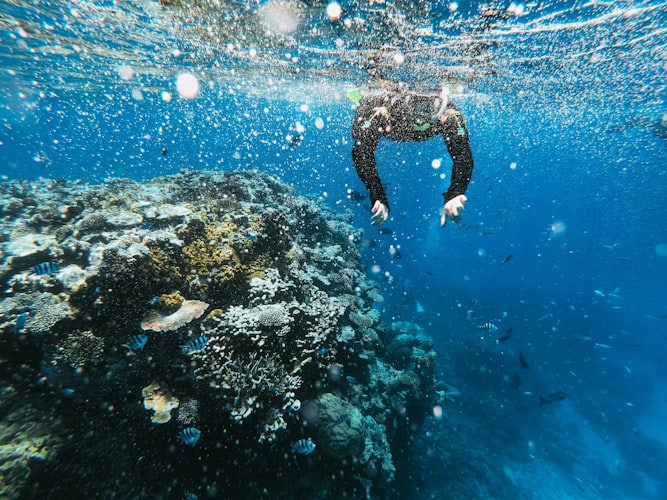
(189, 436)
(322, 352)
(411, 366)
(197, 344)
(303, 447)
(20, 322)
(155, 300)
(489, 327)
(45, 268)
(66, 391)
(342, 419)
(147, 225)
(137, 342)
(352, 380)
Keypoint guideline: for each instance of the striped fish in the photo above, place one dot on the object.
(197, 344)
(342, 419)
(189, 436)
(137, 342)
(489, 327)
(45, 268)
(303, 447)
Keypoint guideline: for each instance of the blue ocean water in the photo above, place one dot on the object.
(563, 239)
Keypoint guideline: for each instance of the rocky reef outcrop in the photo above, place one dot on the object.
(224, 303)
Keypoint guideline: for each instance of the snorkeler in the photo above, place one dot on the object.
(407, 117)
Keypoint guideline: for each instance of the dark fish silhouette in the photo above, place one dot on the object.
(507, 259)
(522, 360)
(515, 382)
(504, 337)
(385, 230)
(554, 397)
(356, 196)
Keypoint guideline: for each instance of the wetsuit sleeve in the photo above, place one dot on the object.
(458, 145)
(366, 133)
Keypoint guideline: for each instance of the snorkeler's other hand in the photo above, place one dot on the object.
(452, 208)
(380, 213)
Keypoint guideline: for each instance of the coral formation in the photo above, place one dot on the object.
(79, 349)
(338, 425)
(292, 348)
(160, 401)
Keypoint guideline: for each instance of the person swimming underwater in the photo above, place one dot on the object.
(403, 116)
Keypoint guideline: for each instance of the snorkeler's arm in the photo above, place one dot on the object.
(458, 145)
(366, 134)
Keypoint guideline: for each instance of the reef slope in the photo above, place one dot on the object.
(224, 302)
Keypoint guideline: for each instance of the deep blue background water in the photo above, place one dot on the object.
(584, 303)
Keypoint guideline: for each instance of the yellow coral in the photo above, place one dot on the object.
(171, 301)
(163, 265)
(209, 256)
(160, 401)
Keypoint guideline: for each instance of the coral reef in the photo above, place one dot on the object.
(160, 401)
(291, 349)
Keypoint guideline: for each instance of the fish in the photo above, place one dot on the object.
(294, 140)
(352, 380)
(322, 352)
(507, 335)
(303, 447)
(395, 252)
(515, 382)
(197, 344)
(420, 308)
(142, 204)
(385, 230)
(342, 419)
(155, 300)
(489, 327)
(554, 397)
(470, 315)
(137, 342)
(189, 436)
(522, 361)
(507, 259)
(20, 321)
(356, 196)
(45, 268)
(451, 393)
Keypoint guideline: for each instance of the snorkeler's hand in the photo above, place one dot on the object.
(452, 208)
(380, 213)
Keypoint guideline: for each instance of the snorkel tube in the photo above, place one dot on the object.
(444, 98)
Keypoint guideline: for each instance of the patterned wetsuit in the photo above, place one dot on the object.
(404, 117)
